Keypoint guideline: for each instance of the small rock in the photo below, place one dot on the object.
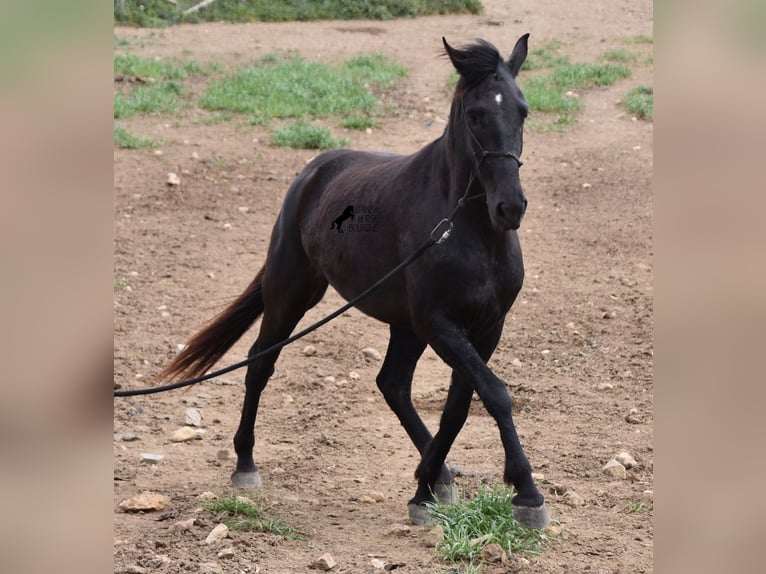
(224, 454)
(184, 434)
(586, 186)
(553, 530)
(434, 536)
(133, 569)
(217, 534)
(366, 499)
(151, 458)
(207, 495)
(538, 476)
(615, 469)
(243, 209)
(516, 362)
(353, 375)
(493, 554)
(228, 552)
(183, 525)
(245, 500)
(625, 459)
(571, 498)
(399, 530)
(309, 350)
(194, 155)
(632, 419)
(125, 437)
(604, 387)
(330, 380)
(287, 399)
(173, 179)
(324, 562)
(372, 354)
(378, 564)
(377, 496)
(545, 352)
(147, 501)
(193, 417)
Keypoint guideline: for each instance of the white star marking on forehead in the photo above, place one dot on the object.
(499, 98)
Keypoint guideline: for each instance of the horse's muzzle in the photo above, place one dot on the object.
(508, 215)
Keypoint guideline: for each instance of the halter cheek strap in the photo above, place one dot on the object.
(484, 153)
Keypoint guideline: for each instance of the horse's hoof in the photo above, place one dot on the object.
(246, 479)
(446, 493)
(419, 515)
(532, 516)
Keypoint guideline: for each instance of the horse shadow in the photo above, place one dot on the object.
(337, 223)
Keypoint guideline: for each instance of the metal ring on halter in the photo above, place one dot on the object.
(445, 234)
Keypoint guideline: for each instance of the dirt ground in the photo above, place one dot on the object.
(581, 328)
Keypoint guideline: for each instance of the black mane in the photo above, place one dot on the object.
(476, 61)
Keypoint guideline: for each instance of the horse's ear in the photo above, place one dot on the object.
(455, 55)
(518, 55)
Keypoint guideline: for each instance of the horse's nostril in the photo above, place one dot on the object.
(501, 210)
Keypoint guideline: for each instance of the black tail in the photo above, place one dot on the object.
(206, 347)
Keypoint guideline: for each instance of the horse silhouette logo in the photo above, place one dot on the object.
(337, 223)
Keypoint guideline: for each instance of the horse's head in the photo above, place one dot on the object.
(487, 122)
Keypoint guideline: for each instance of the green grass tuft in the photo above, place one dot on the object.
(301, 135)
(131, 65)
(248, 517)
(126, 140)
(640, 102)
(487, 518)
(162, 98)
(618, 55)
(548, 95)
(571, 76)
(358, 122)
(547, 56)
(297, 88)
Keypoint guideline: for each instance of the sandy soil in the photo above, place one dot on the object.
(185, 252)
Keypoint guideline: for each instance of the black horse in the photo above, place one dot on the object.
(337, 223)
(454, 298)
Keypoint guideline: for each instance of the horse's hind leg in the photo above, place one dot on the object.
(395, 382)
(288, 292)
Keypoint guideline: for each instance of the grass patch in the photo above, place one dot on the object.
(618, 55)
(297, 88)
(150, 85)
(126, 140)
(358, 122)
(156, 13)
(550, 93)
(639, 39)
(144, 68)
(640, 102)
(301, 135)
(547, 56)
(572, 76)
(162, 98)
(634, 507)
(487, 518)
(245, 515)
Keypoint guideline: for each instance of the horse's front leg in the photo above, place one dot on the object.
(471, 373)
